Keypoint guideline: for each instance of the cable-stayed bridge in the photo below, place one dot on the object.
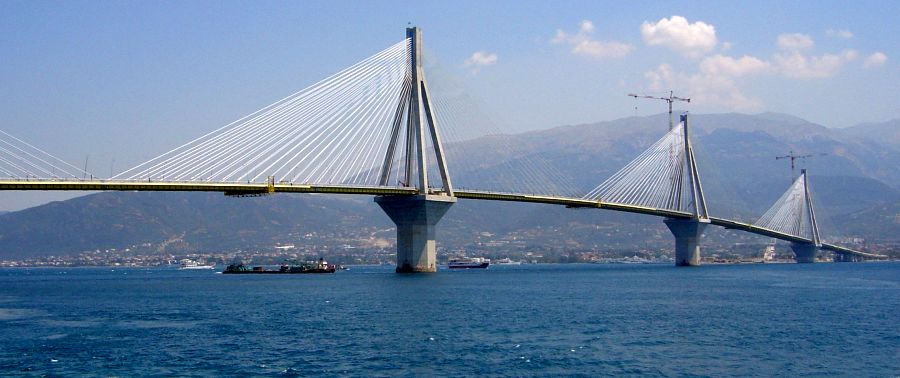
(375, 128)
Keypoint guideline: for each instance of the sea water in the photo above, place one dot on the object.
(529, 320)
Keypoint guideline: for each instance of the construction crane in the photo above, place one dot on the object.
(669, 100)
(793, 157)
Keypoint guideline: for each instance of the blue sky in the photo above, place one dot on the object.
(125, 81)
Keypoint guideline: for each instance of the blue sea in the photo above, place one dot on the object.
(529, 320)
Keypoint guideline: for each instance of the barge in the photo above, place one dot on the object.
(320, 266)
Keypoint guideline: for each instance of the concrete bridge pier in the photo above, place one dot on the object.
(687, 240)
(416, 217)
(805, 253)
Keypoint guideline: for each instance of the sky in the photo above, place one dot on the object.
(118, 83)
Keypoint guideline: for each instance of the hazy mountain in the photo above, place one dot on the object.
(883, 133)
(208, 221)
(880, 223)
(736, 157)
(854, 182)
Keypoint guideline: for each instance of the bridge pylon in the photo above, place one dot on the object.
(688, 231)
(793, 214)
(806, 253)
(416, 216)
(664, 180)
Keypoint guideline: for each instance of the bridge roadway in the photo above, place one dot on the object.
(254, 189)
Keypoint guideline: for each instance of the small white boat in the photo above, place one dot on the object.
(507, 261)
(191, 264)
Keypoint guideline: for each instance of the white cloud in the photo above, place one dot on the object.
(601, 49)
(481, 59)
(839, 33)
(877, 59)
(583, 43)
(719, 65)
(716, 83)
(678, 34)
(798, 66)
(794, 42)
(702, 88)
(717, 80)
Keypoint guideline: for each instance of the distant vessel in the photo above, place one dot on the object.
(507, 261)
(469, 263)
(191, 264)
(624, 260)
(769, 253)
(320, 266)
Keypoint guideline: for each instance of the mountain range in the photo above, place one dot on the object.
(854, 174)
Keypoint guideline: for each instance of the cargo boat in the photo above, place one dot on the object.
(469, 263)
(320, 266)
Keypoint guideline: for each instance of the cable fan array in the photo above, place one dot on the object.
(333, 132)
(20, 160)
(480, 155)
(790, 214)
(656, 178)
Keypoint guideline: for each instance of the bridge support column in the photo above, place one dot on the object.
(804, 253)
(416, 217)
(687, 240)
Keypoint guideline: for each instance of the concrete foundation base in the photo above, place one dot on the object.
(845, 257)
(415, 217)
(805, 253)
(687, 240)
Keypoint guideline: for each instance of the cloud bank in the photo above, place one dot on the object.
(877, 59)
(584, 44)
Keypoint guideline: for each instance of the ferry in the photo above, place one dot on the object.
(469, 263)
(191, 264)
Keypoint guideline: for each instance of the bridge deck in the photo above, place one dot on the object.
(224, 187)
(267, 188)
